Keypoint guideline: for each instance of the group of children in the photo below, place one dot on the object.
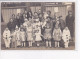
(33, 31)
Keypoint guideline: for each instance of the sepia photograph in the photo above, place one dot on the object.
(37, 25)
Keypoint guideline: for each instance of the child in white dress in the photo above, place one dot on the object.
(22, 37)
(66, 37)
(38, 36)
(17, 37)
(7, 37)
(36, 25)
(57, 34)
(30, 33)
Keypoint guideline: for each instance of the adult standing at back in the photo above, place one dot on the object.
(11, 25)
(13, 17)
(29, 14)
(70, 22)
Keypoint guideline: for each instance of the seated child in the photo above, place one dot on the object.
(57, 34)
(6, 37)
(66, 37)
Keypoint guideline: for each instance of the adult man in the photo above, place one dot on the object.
(11, 25)
(70, 22)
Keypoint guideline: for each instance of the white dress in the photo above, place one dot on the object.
(22, 36)
(17, 38)
(6, 37)
(38, 36)
(30, 33)
(57, 34)
(37, 25)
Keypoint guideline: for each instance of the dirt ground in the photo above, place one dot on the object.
(39, 48)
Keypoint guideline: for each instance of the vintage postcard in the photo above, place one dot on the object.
(37, 25)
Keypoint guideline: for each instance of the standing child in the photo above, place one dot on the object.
(17, 37)
(22, 37)
(66, 37)
(13, 42)
(6, 37)
(30, 33)
(57, 34)
(37, 31)
(25, 23)
(48, 32)
(38, 36)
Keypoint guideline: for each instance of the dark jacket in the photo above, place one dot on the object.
(28, 15)
(11, 26)
(70, 24)
(69, 21)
